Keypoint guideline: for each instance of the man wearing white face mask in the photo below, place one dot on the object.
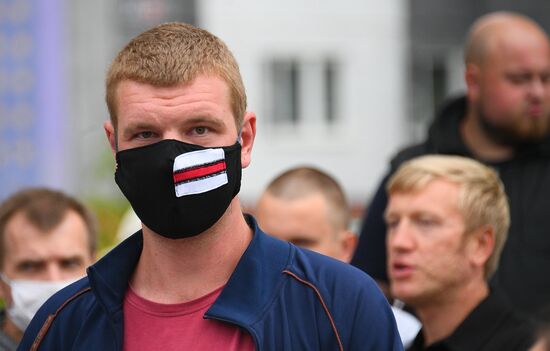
(47, 239)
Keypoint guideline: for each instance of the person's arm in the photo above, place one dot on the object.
(370, 255)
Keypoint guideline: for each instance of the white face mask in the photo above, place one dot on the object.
(27, 297)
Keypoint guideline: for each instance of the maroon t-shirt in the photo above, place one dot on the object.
(150, 326)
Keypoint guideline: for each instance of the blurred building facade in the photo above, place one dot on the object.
(338, 85)
(32, 108)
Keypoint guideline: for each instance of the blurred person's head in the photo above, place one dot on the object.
(447, 220)
(173, 54)
(507, 73)
(47, 239)
(308, 208)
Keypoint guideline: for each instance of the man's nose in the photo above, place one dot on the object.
(537, 89)
(173, 134)
(400, 237)
(54, 272)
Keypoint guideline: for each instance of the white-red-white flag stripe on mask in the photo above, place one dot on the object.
(199, 171)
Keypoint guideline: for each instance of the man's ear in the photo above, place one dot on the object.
(472, 76)
(348, 243)
(111, 135)
(248, 134)
(482, 245)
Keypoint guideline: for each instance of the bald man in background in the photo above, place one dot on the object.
(503, 121)
(308, 208)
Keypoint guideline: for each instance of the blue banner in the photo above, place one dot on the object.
(32, 117)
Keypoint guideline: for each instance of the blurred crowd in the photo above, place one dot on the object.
(455, 238)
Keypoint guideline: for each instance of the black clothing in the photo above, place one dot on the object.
(523, 273)
(492, 325)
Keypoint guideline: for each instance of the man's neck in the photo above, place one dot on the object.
(479, 143)
(439, 320)
(173, 271)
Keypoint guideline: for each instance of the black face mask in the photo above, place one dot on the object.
(179, 190)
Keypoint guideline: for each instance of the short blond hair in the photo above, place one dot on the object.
(174, 53)
(482, 200)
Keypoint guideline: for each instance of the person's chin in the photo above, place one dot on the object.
(404, 292)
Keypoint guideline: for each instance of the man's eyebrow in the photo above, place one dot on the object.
(205, 119)
(132, 127)
(25, 262)
(72, 257)
(139, 125)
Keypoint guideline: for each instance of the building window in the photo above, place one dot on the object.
(330, 91)
(285, 90)
(302, 91)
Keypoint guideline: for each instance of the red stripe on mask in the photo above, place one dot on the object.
(199, 172)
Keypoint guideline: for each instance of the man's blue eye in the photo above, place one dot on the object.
(145, 135)
(426, 222)
(200, 130)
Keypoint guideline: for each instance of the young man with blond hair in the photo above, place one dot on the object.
(200, 275)
(447, 220)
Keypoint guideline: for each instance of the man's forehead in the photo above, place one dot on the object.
(203, 96)
(303, 215)
(442, 190)
(509, 42)
(204, 81)
(23, 238)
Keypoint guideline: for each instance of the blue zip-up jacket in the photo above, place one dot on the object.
(287, 298)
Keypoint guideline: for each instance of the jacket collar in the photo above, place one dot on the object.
(255, 280)
(110, 275)
(250, 287)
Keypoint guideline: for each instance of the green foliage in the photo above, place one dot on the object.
(108, 213)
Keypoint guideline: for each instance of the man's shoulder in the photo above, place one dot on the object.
(350, 297)
(329, 273)
(64, 311)
(514, 330)
(505, 328)
(68, 297)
